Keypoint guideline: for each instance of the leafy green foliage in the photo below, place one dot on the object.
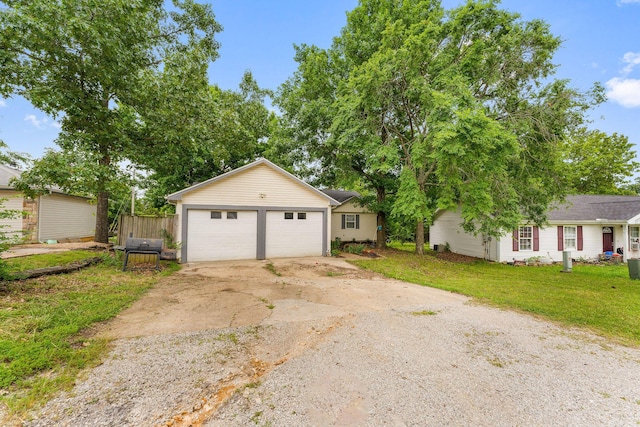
(231, 129)
(92, 64)
(438, 109)
(598, 163)
(601, 298)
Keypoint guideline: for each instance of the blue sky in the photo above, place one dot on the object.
(601, 42)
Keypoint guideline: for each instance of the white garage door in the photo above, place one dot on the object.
(293, 234)
(221, 235)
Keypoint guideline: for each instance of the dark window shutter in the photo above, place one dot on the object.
(536, 238)
(560, 238)
(515, 242)
(343, 221)
(580, 244)
(357, 222)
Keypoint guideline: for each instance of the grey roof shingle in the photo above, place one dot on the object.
(594, 207)
(6, 173)
(340, 195)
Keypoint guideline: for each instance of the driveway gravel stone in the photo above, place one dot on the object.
(325, 344)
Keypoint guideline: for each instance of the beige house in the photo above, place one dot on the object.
(350, 221)
(258, 211)
(55, 216)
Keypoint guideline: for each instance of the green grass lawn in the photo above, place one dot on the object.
(601, 298)
(33, 262)
(45, 324)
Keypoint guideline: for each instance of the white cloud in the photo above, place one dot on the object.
(31, 118)
(631, 59)
(56, 125)
(625, 92)
(621, 2)
(3, 103)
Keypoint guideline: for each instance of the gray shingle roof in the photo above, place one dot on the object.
(6, 173)
(340, 195)
(594, 207)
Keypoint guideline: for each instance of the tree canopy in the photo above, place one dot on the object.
(598, 163)
(458, 107)
(95, 65)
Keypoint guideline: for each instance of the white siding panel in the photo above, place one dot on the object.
(65, 217)
(293, 237)
(12, 201)
(592, 245)
(351, 207)
(221, 239)
(446, 230)
(257, 186)
(367, 230)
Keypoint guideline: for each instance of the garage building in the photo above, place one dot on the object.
(257, 211)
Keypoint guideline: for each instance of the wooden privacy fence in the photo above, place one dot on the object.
(147, 227)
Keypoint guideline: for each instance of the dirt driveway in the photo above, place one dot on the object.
(318, 342)
(218, 295)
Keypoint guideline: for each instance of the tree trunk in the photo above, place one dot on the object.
(420, 237)
(381, 233)
(102, 210)
(102, 218)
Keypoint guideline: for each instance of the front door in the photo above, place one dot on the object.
(607, 239)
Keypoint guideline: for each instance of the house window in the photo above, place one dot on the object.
(232, 215)
(570, 238)
(302, 215)
(634, 237)
(351, 221)
(288, 215)
(525, 238)
(216, 215)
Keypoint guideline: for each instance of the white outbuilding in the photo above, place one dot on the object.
(257, 211)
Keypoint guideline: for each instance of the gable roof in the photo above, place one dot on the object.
(6, 173)
(588, 207)
(174, 197)
(340, 195)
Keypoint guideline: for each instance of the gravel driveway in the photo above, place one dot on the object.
(317, 342)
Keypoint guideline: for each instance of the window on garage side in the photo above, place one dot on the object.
(302, 215)
(350, 221)
(232, 215)
(216, 215)
(288, 215)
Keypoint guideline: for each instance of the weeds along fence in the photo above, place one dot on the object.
(147, 227)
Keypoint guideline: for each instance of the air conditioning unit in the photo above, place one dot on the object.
(635, 246)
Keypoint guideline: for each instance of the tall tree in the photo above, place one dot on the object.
(460, 104)
(598, 163)
(88, 63)
(231, 129)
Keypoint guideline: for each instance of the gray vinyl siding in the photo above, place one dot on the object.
(65, 217)
(12, 200)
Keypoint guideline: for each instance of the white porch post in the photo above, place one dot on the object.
(625, 242)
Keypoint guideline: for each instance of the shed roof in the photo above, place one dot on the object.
(588, 207)
(174, 197)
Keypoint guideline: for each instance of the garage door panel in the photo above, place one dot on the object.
(293, 237)
(216, 239)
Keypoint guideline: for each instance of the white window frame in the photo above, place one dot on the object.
(350, 221)
(525, 238)
(634, 237)
(570, 239)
